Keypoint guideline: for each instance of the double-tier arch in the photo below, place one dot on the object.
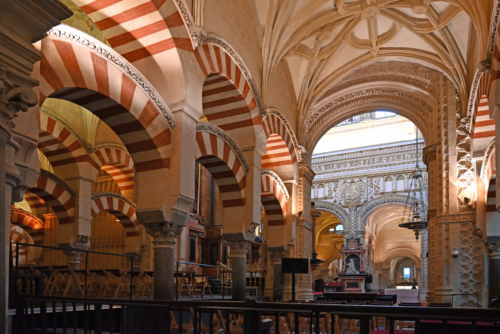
(81, 70)
(230, 98)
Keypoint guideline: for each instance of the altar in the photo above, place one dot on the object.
(353, 270)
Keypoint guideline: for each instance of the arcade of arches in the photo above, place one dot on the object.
(191, 130)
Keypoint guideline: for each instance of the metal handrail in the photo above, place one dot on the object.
(75, 250)
(252, 310)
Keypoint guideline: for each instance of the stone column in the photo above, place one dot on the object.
(494, 270)
(239, 250)
(21, 24)
(277, 253)
(424, 265)
(77, 235)
(164, 235)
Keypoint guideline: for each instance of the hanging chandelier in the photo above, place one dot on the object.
(415, 214)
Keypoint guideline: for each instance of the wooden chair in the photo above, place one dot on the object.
(186, 328)
(404, 326)
(148, 290)
(62, 280)
(218, 323)
(116, 283)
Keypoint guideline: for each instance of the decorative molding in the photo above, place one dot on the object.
(68, 33)
(456, 218)
(493, 28)
(486, 160)
(333, 208)
(380, 60)
(196, 33)
(483, 67)
(299, 150)
(115, 195)
(210, 128)
(366, 209)
(58, 180)
(275, 176)
(363, 97)
(222, 43)
(306, 171)
(429, 154)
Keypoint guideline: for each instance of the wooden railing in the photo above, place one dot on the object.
(45, 314)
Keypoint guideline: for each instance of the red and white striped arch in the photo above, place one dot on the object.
(483, 131)
(33, 225)
(274, 198)
(34, 201)
(280, 149)
(138, 29)
(228, 100)
(58, 144)
(117, 163)
(225, 166)
(72, 72)
(16, 237)
(119, 207)
(57, 197)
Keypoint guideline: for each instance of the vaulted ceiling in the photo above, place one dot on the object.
(323, 40)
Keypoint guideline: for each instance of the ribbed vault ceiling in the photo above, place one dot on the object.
(323, 40)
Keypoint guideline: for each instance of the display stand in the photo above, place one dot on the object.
(294, 266)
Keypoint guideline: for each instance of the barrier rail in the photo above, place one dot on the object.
(45, 314)
(23, 278)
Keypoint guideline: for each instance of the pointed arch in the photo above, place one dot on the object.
(56, 194)
(81, 70)
(33, 225)
(274, 197)
(117, 163)
(229, 98)
(16, 237)
(220, 155)
(120, 207)
(34, 201)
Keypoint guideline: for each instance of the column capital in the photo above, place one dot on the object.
(13, 98)
(494, 249)
(277, 253)
(163, 234)
(429, 154)
(239, 248)
(307, 172)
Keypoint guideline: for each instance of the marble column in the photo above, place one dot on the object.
(494, 270)
(239, 250)
(277, 253)
(164, 235)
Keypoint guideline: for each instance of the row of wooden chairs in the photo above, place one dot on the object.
(286, 323)
(65, 281)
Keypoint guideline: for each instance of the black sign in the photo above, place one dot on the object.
(294, 265)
